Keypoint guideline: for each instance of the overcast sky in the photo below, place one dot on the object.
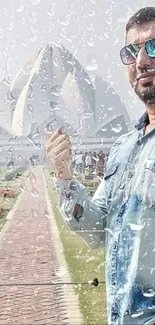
(91, 29)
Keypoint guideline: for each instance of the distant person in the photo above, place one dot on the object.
(73, 159)
(94, 161)
(88, 160)
(100, 164)
(79, 163)
(122, 210)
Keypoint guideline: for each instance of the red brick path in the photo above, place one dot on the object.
(27, 255)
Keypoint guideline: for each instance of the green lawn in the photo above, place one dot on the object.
(84, 265)
(2, 221)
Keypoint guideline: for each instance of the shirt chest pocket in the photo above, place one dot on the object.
(110, 171)
(111, 178)
(150, 165)
(149, 180)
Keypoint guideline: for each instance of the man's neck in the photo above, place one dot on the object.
(151, 114)
(149, 128)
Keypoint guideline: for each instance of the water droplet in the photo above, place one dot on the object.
(10, 150)
(91, 63)
(61, 272)
(149, 293)
(118, 128)
(139, 313)
(6, 81)
(106, 35)
(135, 226)
(87, 116)
(35, 2)
(10, 164)
(19, 157)
(65, 20)
(22, 186)
(51, 12)
(56, 90)
(36, 291)
(33, 17)
(104, 129)
(30, 109)
(34, 34)
(43, 88)
(110, 231)
(52, 125)
(1, 32)
(47, 215)
(34, 213)
(116, 40)
(13, 140)
(65, 36)
(90, 27)
(68, 217)
(11, 25)
(55, 61)
(34, 134)
(24, 43)
(34, 192)
(93, 66)
(22, 5)
(91, 13)
(90, 41)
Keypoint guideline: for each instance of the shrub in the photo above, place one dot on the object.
(1, 208)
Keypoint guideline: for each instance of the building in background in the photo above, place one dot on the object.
(62, 95)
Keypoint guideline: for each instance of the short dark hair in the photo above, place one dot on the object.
(141, 16)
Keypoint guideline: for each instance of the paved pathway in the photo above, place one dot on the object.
(27, 254)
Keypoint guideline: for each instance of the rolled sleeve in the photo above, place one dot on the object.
(90, 221)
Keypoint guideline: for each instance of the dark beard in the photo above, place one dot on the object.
(147, 95)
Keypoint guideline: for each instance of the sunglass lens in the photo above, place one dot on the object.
(150, 48)
(128, 54)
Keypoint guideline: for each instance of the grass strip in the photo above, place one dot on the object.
(84, 265)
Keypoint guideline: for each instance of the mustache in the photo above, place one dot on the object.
(144, 70)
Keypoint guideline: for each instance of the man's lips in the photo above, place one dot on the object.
(146, 77)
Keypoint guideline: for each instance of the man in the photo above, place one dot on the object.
(121, 214)
(79, 162)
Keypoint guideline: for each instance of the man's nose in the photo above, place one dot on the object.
(143, 60)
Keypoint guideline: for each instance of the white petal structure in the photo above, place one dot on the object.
(53, 86)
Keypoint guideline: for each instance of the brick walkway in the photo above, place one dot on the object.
(27, 254)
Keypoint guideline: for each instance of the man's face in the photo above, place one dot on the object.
(142, 72)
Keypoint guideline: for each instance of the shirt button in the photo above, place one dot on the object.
(139, 143)
(69, 196)
(73, 186)
(131, 174)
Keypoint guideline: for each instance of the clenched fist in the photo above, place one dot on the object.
(58, 149)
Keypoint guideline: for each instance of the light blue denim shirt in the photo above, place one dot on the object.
(121, 217)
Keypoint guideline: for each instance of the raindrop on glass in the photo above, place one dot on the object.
(35, 2)
(135, 226)
(118, 128)
(35, 192)
(10, 164)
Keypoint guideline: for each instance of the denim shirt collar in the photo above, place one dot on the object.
(143, 121)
